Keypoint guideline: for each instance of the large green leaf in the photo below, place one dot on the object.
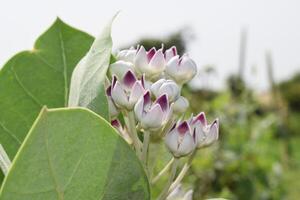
(87, 83)
(73, 154)
(38, 77)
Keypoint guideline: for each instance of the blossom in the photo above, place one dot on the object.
(181, 139)
(152, 115)
(127, 92)
(151, 63)
(181, 70)
(206, 134)
(168, 87)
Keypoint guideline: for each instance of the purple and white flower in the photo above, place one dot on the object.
(206, 134)
(168, 87)
(152, 115)
(181, 70)
(151, 63)
(181, 139)
(125, 93)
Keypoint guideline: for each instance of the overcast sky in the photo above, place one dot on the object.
(272, 25)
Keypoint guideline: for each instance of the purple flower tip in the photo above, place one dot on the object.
(108, 91)
(115, 123)
(174, 50)
(201, 117)
(183, 128)
(151, 53)
(147, 98)
(163, 102)
(129, 78)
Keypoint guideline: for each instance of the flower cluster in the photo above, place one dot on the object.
(146, 89)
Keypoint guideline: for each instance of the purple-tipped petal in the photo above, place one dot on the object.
(151, 53)
(174, 50)
(163, 102)
(201, 118)
(158, 62)
(129, 79)
(183, 128)
(147, 98)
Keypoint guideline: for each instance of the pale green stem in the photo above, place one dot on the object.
(165, 192)
(183, 172)
(5, 162)
(133, 133)
(145, 147)
(163, 171)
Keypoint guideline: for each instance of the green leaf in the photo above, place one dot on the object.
(87, 83)
(38, 77)
(72, 153)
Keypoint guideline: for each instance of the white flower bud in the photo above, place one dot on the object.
(127, 92)
(120, 68)
(151, 63)
(168, 87)
(180, 105)
(181, 70)
(152, 115)
(181, 140)
(127, 55)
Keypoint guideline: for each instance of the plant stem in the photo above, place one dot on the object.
(5, 162)
(145, 147)
(183, 172)
(163, 171)
(133, 133)
(165, 192)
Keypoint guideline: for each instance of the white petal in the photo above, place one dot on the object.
(170, 53)
(172, 67)
(119, 96)
(157, 63)
(141, 60)
(171, 89)
(139, 108)
(171, 140)
(153, 119)
(156, 86)
(189, 68)
(187, 145)
(119, 68)
(136, 92)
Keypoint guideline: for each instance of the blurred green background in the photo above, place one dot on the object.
(258, 153)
